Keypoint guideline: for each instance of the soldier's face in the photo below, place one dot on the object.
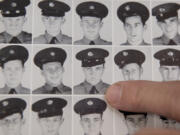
(170, 73)
(91, 123)
(169, 123)
(134, 29)
(135, 122)
(14, 25)
(13, 71)
(53, 73)
(50, 125)
(91, 27)
(132, 71)
(11, 125)
(169, 27)
(93, 74)
(53, 24)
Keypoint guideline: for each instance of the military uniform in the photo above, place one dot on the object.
(93, 9)
(130, 9)
(85, 88)
(51, 54)
(168, 57)
(47, 89)
(10, 106)
(125, 57)
(163, 12)
(53, 8)
(14, 8)
(91, 57)
(13, 52)
(49, 107)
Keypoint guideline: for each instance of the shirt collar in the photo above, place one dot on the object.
(17, 89)
(88, 86)
(87, 41)
(50, 88)
(49, 37)
(9, 37)
(166, 40)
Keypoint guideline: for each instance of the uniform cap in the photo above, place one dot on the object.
(130, 9)
(165, 11)
(129, 56)
(13, 52)
(53, 8)
(11, 106)
(52, 54)
(92, 56)
(168, 57)
(132, 113)
(91, 8)
(13, 8)
(49, 107)
(90, 106)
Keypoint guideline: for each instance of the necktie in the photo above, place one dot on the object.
(91, 43)
(12, 91)
(15, 40)
(171, 42)
(53, 40)
(93, 90)
(55, 90)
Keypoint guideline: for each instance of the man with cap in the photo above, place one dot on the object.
(134, 121)
(11, 115)
(134, 16)
(50, 114)
(13, 17)
(50, 61)
(91, 15)
(167, 19)
(91, 115)
(12, 60)
(130, 62)
(53, 12)
(93, 65)
(169, 60)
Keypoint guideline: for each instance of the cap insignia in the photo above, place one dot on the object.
(97, 60)
(13, 4)
(162, 9)
(43, 111)
(122, 62)
(5, 103)
(49, 102)
(91, 7)
(170, 53)
(127, 8)
(7, 12)
(11, 51)
(90, 103)
(90, 54)
(161, 15)
(52, 54)
(125, 53)
(51, 4)
(17, 11)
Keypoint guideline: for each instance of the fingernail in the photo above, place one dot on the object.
(114, 94)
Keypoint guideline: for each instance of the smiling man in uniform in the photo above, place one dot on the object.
(130, 62)
(91, 15)
(91, 115)
(13, 17)
(53, 18)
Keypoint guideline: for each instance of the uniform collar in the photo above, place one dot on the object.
(9, 37)
(175, 39)
(49, 88)
(87, 41)
(142, 43)
(49, 37)
(17, 89)
(89, 86)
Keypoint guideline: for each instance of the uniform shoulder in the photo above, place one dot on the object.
(40, 39)
(2, 38)
(38, 91)
(25, 91)
(79, 89)
(78, 42)
(157, 40)
(3, 91)
(67, 39)
(106, 42)
(67, 90)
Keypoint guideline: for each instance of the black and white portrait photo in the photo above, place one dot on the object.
(52, 71)
(15, 69)
(132, 64)
(92, 70)
(131, 23)
(52, 22)
(92, 115)
(166, 64)
(165, 22)
(51, 115)
(14, 116)
(92, 22)
(16, 21)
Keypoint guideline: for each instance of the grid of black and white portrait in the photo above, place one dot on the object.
(58, 58)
